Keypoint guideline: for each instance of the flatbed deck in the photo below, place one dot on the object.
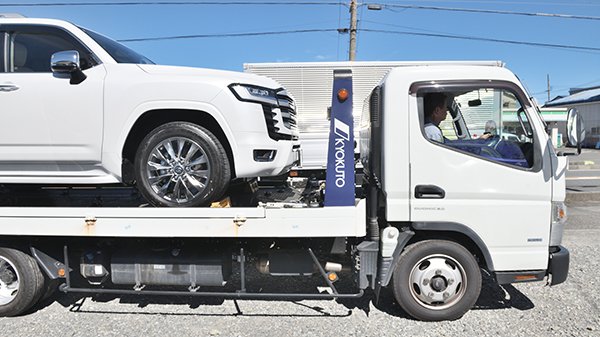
(81, 212)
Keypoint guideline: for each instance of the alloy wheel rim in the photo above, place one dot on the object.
(177, 170)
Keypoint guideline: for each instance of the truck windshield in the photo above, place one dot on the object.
(119, 52)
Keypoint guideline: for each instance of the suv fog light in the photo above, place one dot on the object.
(264, 155)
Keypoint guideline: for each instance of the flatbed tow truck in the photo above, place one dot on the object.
(425, 234)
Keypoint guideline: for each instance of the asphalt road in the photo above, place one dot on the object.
(531, 309)
(583, 179)
(584, 175)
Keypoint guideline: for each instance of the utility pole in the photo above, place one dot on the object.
(548, 81)
(352, 51)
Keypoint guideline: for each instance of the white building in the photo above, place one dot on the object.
(587, 102)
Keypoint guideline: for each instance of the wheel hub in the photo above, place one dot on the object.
(7, 276)
(438, 281)
(179, 170)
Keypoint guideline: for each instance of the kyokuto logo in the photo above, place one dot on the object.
(342, 132)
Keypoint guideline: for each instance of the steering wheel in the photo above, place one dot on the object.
(493, 141)
(490, 152)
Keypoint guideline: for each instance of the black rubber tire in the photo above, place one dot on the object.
(31, 282)
(216, 155)
(47, 295)
(411, 256)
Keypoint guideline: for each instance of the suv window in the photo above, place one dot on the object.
(117, 51)
(31, 47)
(486, 122)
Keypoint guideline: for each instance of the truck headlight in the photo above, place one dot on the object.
(559, 219)
(254, 94)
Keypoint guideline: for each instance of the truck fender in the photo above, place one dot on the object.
(388, 264)
(460, 229)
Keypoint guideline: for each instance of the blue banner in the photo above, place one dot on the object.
(339, 182)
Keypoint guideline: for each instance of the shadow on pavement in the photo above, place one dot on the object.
(492, 297)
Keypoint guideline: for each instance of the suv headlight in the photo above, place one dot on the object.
(559, 219)
(254, 94)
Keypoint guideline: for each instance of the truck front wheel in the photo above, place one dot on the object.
(21, 282)
(181, 164)
(436, 280)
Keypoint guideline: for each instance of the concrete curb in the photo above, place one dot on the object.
(582, 196)
(583, 165)
(573, 167)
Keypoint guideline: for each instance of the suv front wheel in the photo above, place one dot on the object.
(181, 164)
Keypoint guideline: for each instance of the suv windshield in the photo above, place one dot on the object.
(119, 52)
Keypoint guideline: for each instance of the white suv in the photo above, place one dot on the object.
(80, 108)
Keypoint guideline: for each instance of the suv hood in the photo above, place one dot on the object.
(215, 76)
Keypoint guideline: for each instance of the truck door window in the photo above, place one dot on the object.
(2, 52)
(31, 48)
(490, 123)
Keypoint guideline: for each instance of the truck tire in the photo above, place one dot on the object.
(436, 280)
(21, 282)
(181, 164)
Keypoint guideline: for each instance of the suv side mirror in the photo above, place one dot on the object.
(67, 62)
(575, 129)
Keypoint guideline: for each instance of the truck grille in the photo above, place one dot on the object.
(282, 122)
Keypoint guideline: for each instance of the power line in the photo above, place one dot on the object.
(388, 6)
(448, 36)
(198, 36)
(569, 87)
(327, 3)
(163, 3)
(330, 30)
(486, 11)
(520, 3)
(401, 26)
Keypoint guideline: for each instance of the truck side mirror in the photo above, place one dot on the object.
(67, 62)
(575, 129)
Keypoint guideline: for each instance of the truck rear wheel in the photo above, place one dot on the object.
(181, 164)
(21, 282)
(436, 280)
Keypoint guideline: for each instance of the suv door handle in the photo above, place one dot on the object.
(8, 87)
(429, 192)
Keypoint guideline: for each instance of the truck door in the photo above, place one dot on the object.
(484, 176)
(47, 123)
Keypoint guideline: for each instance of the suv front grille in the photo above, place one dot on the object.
(282, 122)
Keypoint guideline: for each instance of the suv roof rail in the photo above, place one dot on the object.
(11, 15)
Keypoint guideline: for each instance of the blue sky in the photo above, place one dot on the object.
(567, 68)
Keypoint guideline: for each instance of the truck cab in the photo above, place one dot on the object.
(501, 196)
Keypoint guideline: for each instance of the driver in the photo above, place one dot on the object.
(490, 130)
(435, 113)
